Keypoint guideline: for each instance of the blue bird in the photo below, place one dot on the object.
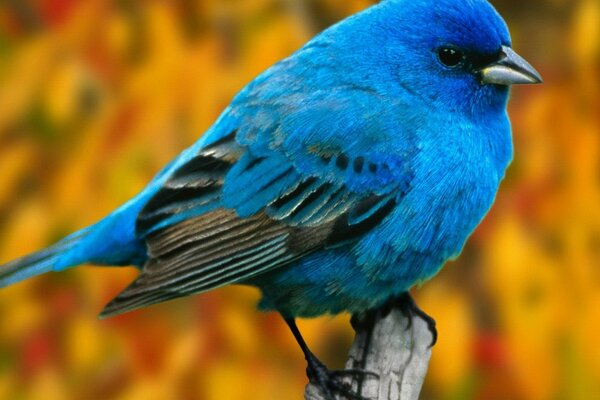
(335, 181)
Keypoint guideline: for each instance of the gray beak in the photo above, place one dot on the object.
(510, 69)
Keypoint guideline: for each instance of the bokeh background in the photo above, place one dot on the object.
(96, 95)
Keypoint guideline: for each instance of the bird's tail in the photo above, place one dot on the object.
(54, 258)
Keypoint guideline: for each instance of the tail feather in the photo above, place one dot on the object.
(55, 257)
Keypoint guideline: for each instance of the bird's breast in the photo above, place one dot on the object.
(449, 196)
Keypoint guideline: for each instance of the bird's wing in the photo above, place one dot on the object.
(237, 211)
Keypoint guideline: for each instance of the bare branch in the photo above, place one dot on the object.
(393, 348)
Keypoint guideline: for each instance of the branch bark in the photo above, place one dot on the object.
(392, 345)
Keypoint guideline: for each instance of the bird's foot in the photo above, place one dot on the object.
(409, 308)
(331, 382)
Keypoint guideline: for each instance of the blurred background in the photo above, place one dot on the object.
(95, 96)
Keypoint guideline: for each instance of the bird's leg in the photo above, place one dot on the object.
(409, 308)
(318, 374)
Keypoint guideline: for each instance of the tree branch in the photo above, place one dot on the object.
(388, 344)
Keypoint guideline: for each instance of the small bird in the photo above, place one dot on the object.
(335, 181)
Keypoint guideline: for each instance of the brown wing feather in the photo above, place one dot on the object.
(210, 251)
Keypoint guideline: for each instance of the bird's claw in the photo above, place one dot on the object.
(329, 382)
(409, 308)
(354, 373)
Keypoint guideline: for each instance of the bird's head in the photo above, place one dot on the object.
(455, 54)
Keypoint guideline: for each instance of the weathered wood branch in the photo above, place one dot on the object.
(394, 346)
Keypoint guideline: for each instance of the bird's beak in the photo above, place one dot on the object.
(509, 69)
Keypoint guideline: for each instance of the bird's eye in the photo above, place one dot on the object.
(450, 57)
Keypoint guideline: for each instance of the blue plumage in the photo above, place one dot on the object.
(336, 180)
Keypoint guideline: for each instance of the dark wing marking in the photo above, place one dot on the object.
(213, 250)
(193, 187)
(194, 252)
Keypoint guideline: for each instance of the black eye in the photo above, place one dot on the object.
(450, 57)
